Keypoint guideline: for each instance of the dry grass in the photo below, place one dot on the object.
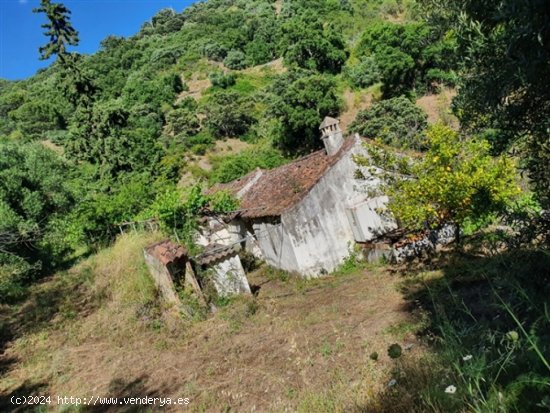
(438, 107)
(298, 346)
(354, 101)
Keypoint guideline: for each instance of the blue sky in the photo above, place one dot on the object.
(21, 34)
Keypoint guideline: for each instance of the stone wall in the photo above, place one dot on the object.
(229, 277)
(162, 278)
(425, 246)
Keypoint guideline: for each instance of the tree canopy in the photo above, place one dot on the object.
(58, 28)
(299, 102)
(397, 122)
(456, 180)
(506, 53)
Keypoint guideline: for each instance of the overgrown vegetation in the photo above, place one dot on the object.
(94, 141)
(453, 182)
(126, 126)
(487, 359)
(396, 122)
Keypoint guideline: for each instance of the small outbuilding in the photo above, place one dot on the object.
(225, 268)
(170, 265)
(166, 261)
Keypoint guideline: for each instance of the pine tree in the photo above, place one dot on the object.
(58, 28)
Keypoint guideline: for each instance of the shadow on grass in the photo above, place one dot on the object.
(46, 303)
(24, 390)
(121, 389)
(489, 332)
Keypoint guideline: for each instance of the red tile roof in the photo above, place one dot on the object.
(216, 252)
(166, 251)
(268, 193)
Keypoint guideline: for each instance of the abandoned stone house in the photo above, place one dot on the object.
(305, 216)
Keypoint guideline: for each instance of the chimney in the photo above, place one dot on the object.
(331, 134)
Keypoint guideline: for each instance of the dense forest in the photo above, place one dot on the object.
(122, 135)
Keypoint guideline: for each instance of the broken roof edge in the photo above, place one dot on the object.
(215, 252)
(166, 251)
(349, 143)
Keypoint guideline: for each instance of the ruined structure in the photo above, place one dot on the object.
(166, 262)
(170, 265)
(305, 216)
(226, 270)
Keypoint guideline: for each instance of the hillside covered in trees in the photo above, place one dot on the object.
(139, 129)
(96, 140)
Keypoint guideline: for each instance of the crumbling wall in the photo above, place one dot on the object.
(162, 278)
(424, 246)
(229, 277)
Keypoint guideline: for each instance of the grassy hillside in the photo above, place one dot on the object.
(137, 130)
(299, 345)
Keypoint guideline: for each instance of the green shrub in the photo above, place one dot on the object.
(214, 51)
(397, 122)
(228, 114)
(183, 121)
(235, 59)
(309, 45)
(364, 74)
(221, 79)
(231, 167)
(299, 101)
(199, 139)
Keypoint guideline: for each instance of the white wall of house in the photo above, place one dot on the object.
(367, 220)
(318, 227)
(275, 244)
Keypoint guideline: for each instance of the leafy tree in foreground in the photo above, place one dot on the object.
(397, 122)
(454, 181)
(505, 72)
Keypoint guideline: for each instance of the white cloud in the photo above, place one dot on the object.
(23, 1)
